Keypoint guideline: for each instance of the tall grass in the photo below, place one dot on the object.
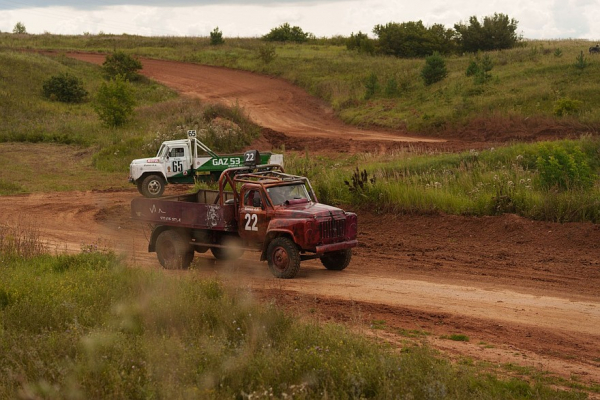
(489, 182)
(83, 326)
(526, 83)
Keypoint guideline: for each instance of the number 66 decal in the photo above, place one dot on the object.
(251, 221)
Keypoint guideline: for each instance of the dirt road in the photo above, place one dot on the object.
(287, 113)
(525, 293)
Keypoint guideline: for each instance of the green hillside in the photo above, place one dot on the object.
(541, 81)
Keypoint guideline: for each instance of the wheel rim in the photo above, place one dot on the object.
(154, 186)
(281, 259)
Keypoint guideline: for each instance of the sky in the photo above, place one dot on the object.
(537, 19)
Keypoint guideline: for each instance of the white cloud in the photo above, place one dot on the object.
(537, 19)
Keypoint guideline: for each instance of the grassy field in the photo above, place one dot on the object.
(532, 81)
(551, 181)
(86, 327)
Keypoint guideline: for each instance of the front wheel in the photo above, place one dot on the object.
(337, 260)
(152, 186)
(173, 250)
(283, 258)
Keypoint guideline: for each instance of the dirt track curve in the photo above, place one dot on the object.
(524, 292)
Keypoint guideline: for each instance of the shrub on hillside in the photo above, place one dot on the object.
(413, 39)
(434, 69)
(564, 169)
(65, 88)
(287, 33)
(371, 85)
(115, 101)
(267, 53)
(480, 69)
(19, 28)
(216, 37)
(495, 32)
(120, 63)
(361, 43)
(566, 106)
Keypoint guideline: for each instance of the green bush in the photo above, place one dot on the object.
(482, 72)
(120, 63)
(267, 53)
(472, 69)
(391, 88)
(287, 33)
(216, 37)
(434, 69)
(361, 43)
(581, 62)
(65, 88)
(495, 32)
(566, 106)
(563, 169)
(19, 28)
(413, 39)
(115, 101)
(371, 85)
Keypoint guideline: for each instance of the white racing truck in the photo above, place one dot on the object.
(186, 161)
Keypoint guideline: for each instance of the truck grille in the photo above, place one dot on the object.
(333, 229)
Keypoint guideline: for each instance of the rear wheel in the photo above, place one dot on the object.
(283, 258)
(337, 260)
(152, 186)
(173, 250)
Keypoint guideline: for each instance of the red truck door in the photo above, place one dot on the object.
(253, 216)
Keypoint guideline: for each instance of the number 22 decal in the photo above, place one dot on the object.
(251, 221)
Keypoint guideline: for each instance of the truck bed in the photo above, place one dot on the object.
(194, 210)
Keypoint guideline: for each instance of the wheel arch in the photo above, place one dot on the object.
(148, 173)
(160, 229)
(272, 235)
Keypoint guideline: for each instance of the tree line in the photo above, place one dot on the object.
(415, 39)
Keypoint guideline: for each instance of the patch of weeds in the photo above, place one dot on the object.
(518, 369)
(456, 337)
(360, 179)
(8, 188)
(378, 324)
(412, 333)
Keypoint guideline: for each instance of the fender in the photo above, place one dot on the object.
(272, 234)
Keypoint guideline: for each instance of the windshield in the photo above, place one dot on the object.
(281, 194)
(162, 151)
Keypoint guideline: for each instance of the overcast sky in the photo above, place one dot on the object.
(538, 19)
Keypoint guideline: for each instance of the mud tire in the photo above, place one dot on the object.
(173, 250)
(283, 258)
(152, 186)
(337, 260)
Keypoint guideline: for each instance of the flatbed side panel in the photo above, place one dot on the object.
(184, 214)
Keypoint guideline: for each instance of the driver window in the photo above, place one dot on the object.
(177, 152)
(252, 199)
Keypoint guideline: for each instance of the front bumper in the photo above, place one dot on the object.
(326, 248)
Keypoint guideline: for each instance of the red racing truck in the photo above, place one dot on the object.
(257, 208)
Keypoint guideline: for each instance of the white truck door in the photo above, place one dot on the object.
(178, 161)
